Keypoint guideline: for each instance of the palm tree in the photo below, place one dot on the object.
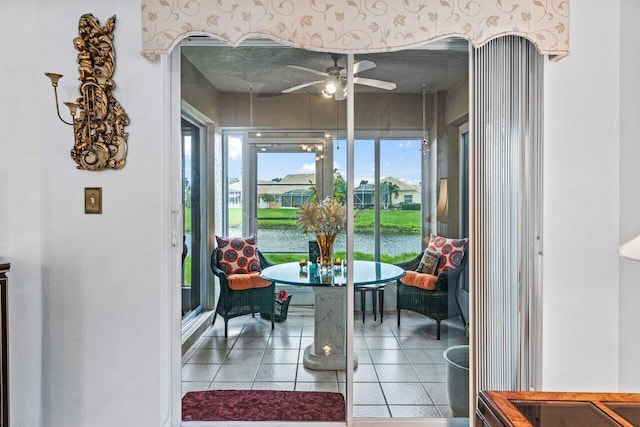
(339, 188)
(388, 191)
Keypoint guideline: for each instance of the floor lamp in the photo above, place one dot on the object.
(443, 202)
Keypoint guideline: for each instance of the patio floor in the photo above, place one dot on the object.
(401, 371)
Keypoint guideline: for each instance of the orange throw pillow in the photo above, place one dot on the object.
(420, 280)
(242, 281)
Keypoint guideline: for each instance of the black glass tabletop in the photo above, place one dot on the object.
(364, 273)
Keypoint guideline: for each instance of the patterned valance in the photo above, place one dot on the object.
(355, 26)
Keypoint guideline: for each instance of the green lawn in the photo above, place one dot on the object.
(391, 221)
(187, 220)
(187, 271)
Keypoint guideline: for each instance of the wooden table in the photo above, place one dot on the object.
(551, 409)
(4, 344)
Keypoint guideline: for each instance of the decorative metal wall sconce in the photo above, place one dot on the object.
(98, 120)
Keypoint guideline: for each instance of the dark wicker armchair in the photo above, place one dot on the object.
(439, 304)
(234, 303)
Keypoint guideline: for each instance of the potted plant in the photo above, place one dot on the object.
(281, 307)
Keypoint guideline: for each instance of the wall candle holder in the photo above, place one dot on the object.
(98, 119)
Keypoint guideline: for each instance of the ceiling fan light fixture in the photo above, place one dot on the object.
(334, 82)
(331, 87)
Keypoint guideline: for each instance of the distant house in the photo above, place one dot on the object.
(235, 194)
(291, 191)
(296, 189)
(407, 193)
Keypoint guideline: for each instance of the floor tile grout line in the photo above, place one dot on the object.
(365, 334)
(295, 380)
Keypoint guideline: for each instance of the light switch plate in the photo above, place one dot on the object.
(93, 200)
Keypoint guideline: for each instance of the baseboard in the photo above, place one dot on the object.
(196, 328)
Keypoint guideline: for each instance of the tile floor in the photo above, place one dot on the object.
(401, 371)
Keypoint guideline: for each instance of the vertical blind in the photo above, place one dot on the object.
(506, 209)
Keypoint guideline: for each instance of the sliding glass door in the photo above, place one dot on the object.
(284, 145)
(192, 214)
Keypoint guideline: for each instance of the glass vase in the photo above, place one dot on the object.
(325, 244)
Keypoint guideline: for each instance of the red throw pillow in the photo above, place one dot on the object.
(451, 251)
(238, 255)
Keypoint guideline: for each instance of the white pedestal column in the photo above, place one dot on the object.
(328, 351)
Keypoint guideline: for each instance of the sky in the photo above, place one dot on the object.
(399, 158)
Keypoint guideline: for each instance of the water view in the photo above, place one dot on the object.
(292, 240)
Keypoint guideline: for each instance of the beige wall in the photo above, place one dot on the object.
(456, 113)
(312, 111)
(458, 102)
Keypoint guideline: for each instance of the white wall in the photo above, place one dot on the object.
(85, 290)
(21, 206)
(629, 194)
(581, 205)
(88, 292)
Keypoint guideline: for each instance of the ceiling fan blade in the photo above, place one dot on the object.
(359, 67)
(308, 70)
(303, 85)
(380, 84)
(363, 65)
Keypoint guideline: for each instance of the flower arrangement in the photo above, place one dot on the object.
(281, 296)
(326, 217)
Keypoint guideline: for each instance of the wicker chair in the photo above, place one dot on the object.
(439, 304)
(234, 303)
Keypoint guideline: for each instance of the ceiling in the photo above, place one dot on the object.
(263, 66)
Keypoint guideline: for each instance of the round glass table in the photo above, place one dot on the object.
(328, 350)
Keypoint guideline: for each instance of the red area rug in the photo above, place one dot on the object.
(262, 405)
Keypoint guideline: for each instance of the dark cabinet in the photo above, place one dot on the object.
(4, 351)
(540, 409)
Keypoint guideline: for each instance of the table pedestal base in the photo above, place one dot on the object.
(331, 362)
(328, 351)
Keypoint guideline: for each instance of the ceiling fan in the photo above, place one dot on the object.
(335, 79)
